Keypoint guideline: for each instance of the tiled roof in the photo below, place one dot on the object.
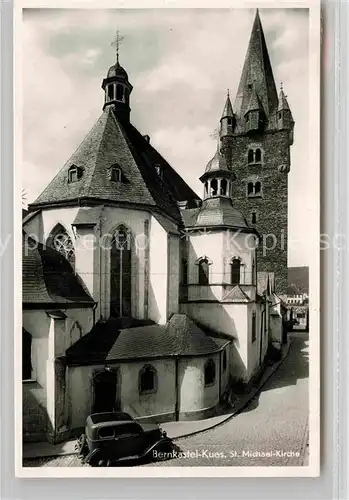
(257, 71)
(217, 163)
(88, 216)
(299, 276)
(254, 102)
(48, 277)
(110, 143)
(215, 212)
(107, 342)
(228, 108)
(283, 103)
(166, 224)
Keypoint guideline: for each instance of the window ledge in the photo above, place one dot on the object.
(29, 381)
(210, 384)
(153, 391)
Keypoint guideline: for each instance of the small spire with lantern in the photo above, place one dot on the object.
(284, 115)
(116, 85)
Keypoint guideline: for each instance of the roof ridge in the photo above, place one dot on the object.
(105, 113)
(71, 156)
(131, 148)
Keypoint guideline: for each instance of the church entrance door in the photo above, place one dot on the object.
(120, 275)
(105, 385)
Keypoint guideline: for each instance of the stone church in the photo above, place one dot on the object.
(140, 296)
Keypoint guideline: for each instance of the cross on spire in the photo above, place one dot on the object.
(116, 43)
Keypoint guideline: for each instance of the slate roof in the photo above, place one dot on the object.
(257, 71)
(217, 211)
(217, 163)
(254, 102)
(283, 103)
(109, 142)
(299, 276)
(88, 216)
(228, 109)
(48, 278)
(107, 342)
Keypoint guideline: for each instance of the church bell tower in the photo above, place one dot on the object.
(256, 134)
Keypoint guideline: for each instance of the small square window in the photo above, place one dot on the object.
(73, 175)
(253, 218)
(158, 170)
(115, 174)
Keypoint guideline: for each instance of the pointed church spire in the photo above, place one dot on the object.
(284, 115)
(256, 72)
(228, 108)
(283, 103)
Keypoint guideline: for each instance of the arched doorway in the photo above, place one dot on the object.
(120, 274)
(105, 390)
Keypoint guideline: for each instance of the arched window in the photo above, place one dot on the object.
(214, 187)
(258, 156)
(210, 372)
(235, 271)
(250, 156)
(257, 188)
(73, 174)
(119, 92)
(26, 355)
(254, 327)
(224, 186)
(121, 274)
(147, 382)
(60, 240)
(127, 95)
(204, 272)
(224, 361)
(250, 189)
(111, 92)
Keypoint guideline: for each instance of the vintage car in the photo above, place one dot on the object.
(116, 437)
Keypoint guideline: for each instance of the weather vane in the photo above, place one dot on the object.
(116, 43)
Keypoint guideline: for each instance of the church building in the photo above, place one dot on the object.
(138, 294)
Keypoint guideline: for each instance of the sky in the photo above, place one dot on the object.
(181, 63)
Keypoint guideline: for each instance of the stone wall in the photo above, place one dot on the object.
(271, 207)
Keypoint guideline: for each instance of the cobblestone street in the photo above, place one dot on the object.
(271, 431)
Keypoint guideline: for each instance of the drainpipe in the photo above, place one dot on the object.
(263, 315)
(220, 377)
(177, 389)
